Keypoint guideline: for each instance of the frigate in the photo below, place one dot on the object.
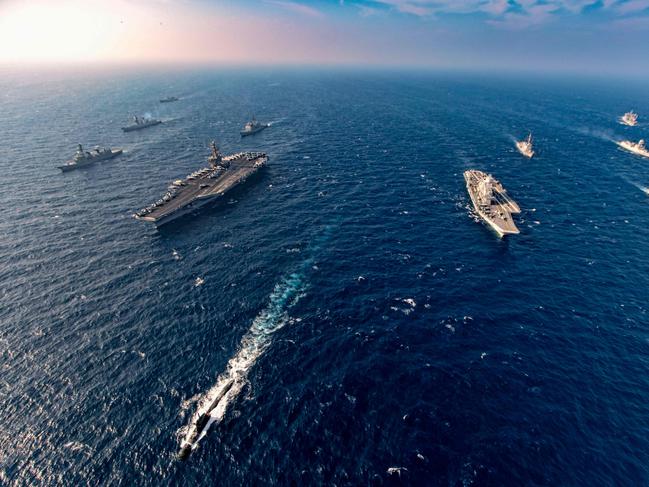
(140, 123)
(638, 148)
(629, 118)
(253, 127)
(525, 146)
(84, 158)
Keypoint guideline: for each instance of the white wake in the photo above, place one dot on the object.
(253, 344)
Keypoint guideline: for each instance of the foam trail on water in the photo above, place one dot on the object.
(607, 135)
(273, 317)
(642, 188)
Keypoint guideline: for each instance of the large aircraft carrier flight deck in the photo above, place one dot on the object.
(203, 186)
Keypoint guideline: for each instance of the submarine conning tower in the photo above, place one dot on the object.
(215, 157)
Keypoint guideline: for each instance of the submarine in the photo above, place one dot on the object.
(201, 423)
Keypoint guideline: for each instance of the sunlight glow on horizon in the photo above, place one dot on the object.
(98, 30)
(47, 32)
(483, 34)
(152, 31)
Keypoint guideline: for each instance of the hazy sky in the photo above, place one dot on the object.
(576, 35)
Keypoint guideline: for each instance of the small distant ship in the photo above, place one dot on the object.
(629, 118)
(168, 99)
(525, 146)
(253, 127)
(85, 158)
(491, 202)
(203, 186)
(140, 123)
(638, 148)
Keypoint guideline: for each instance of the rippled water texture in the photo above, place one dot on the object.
(377, 332)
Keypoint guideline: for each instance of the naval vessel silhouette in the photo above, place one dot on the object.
(203, 186)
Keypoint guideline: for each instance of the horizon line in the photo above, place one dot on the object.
(322, 66)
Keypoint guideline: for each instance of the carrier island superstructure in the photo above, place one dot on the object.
(203, 186)
(491, 202)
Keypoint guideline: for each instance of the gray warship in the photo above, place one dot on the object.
(525, 146)
(253, 127)
(491, 202)
(638, 148)
(140, 123)
(168, 99)
(84, 158)
(204, 185)
(629, 118)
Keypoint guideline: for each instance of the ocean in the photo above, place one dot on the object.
(376, 332)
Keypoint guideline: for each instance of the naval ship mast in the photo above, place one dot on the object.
(215, 157)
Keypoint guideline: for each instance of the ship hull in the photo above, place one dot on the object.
(192, 204)
(188, 209)
(633, 150)
(252, 132)
(500, 229)
(200, 203)
(496, 228)
(72, 167)
(133, 128)
(527, 153)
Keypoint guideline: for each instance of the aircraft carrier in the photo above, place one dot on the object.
(491, 202)
(203, 186)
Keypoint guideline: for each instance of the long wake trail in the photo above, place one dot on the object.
(214, 404)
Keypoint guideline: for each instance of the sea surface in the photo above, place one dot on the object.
(377, 332)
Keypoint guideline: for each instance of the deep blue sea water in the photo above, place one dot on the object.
(375, 323)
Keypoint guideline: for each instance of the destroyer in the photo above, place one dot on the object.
(168, 99)
(629, 118)
(491, 202)
(253, 127)
(84, 158)
(141, 123)
(525, 146)
(638, 148)
(203, 186)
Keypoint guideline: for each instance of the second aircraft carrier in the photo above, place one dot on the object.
(491, 202)
(203, 186)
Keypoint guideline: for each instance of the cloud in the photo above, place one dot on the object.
(512, 13)
(435, 7)
(296, 7)
(633, 6)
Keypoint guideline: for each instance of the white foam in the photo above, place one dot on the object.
(252, 346)
(396, 470)
(409, 301)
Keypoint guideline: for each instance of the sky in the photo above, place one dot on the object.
(594, 36)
